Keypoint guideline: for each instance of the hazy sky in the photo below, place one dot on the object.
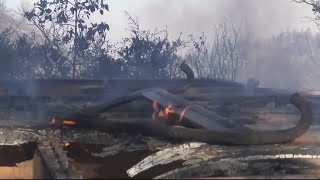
(260, 18)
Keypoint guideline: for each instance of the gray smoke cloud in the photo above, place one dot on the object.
(259, 18)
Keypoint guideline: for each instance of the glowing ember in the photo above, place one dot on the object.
(155, 111)
(165, 113)
(168, 110)
(53, 121)
(68, 123)
(181, 116)
(161, 114)
(64, 122)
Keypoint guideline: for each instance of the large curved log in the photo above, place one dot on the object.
(253, 137)
(245, 137)
(250, 137)
(190, 77)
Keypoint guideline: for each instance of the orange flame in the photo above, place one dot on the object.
(168, 110)
(53, 121)
(155, 110)
(181, 116)
(64, 122)
(163, 114)
(69, 123)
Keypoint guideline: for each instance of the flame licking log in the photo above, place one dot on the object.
(168, 113)
(207, 126)
(181, 116)
(164, 114)
(68, 123)
(55, 122)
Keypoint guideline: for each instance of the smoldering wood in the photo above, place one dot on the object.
(197, 97)
(55, 158)
(79, 88)
(246, 169)
(51, 162)
(70, 88)
(227, 132)
(99, 137)
(164, 98)
(131, 111)
(17, 136)
(220, 97)
(193, 113)
(203, 160)
(138, 95)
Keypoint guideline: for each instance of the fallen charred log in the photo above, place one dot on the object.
(230, 135)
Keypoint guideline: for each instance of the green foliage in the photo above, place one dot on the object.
(66, 23)
(146, 53)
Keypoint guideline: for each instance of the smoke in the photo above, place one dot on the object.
(258, 20)
(262, 18)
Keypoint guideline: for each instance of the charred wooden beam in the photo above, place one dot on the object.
(55, 158)
(251, 168)
(203, 160)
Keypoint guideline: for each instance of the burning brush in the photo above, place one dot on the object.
(168, 114)
(61, 123)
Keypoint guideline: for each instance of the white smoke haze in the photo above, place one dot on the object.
(271, 64)
(260, 20)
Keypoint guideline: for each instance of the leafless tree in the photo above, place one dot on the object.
(5, 16)
(220, 58)
(315, 4)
